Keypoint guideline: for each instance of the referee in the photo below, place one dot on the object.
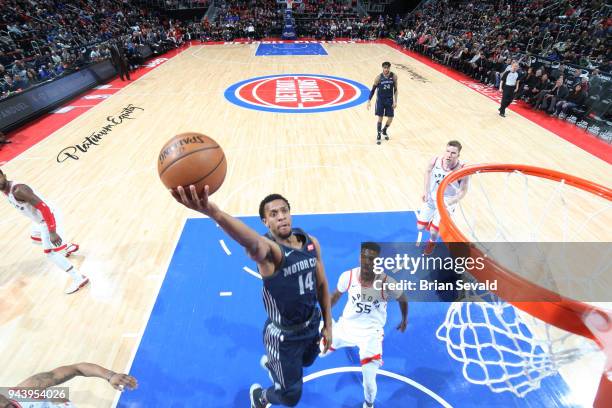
(509, 85)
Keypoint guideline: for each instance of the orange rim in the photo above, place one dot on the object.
(553, 308)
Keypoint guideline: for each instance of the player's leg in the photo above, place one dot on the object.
(56, 256)
(285, 366)
(370, 354)
(434, 230)
(389, 113)
(339, 338)
(424, 218)
(35, 234)
(380, 112)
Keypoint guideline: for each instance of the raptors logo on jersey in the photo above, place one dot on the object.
(437, 175)
(366, 307)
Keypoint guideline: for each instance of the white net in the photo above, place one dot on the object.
(497, 344)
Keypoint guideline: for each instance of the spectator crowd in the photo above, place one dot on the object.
(563, 48)
(44, 39)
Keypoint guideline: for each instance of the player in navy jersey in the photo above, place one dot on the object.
(289, 261)
(386, 99)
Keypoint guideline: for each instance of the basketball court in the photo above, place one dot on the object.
(177, 303)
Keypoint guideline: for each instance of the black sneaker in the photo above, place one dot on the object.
(378, 138)
(256, 393)
(386, 136)
(503, 115)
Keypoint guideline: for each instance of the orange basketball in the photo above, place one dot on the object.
(192, 158)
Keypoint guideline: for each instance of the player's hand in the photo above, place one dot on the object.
(192, 200)
(326, 335)
(55, 239)
(394, 105)
(600, 324)
(368, 105)
(122, 381)
(425, 197)
(402, 326)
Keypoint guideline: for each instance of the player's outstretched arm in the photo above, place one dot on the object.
(62, 374)
(259, 248)
(323, 297)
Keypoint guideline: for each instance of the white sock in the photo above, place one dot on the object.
(61, 262)
(369, 371)
(419, 237)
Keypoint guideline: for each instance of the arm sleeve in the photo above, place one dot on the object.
(372, 92)
(47, 215)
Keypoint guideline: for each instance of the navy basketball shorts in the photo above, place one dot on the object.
(384, 108)
(289, 351)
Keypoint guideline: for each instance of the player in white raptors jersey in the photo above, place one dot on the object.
(46, 228)
(60, 375)
(429, 216)
(365, 314)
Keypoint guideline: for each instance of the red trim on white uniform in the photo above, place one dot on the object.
(350, 279)
(60, 248)
(370, 359)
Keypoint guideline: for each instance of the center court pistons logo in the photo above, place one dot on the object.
(297, 93)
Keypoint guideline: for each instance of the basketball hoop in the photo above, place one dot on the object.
(533, 346)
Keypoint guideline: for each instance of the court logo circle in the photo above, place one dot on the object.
(297, 93)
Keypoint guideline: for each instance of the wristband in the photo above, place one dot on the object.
(111, 376)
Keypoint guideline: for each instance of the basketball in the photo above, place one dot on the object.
(192, 158)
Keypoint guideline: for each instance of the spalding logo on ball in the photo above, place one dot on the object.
(192, 158)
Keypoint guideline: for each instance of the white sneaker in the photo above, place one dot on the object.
(262, 362)
(77, 284)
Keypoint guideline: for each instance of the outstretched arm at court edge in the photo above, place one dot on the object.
(600, 324)
(263, 251)
(323, 297)
(62, 374)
